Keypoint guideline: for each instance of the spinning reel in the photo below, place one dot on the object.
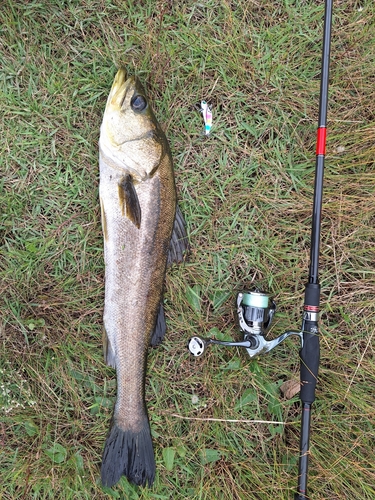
(255, 312)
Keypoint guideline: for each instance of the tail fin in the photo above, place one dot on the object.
(130, 454)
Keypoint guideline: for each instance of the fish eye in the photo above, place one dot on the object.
(138, 103)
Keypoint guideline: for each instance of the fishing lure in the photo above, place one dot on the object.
(207, 117)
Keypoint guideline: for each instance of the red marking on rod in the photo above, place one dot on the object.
(311, 308)
(321, 141)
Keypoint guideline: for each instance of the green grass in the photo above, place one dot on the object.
(246, 192)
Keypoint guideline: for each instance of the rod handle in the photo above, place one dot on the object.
(310, 357)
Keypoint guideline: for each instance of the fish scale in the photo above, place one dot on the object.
(139, 215)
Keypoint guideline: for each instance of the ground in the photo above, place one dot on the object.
(246, 193)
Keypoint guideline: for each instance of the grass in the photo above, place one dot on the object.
(246, 192)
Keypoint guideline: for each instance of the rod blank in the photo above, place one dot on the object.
(310, 353)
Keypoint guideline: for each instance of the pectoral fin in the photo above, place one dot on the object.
(129, 202)
(179, 240)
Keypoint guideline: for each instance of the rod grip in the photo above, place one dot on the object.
(310, 357)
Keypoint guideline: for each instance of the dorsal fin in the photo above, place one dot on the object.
(179, 240)
(129, 202)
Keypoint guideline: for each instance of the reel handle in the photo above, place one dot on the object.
(254, 344)
(197, 345)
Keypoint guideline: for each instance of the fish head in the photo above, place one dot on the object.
(130, 136)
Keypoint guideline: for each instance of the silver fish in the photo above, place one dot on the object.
(143, 230)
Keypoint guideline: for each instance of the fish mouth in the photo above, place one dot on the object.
(119, 89)
(120, 77)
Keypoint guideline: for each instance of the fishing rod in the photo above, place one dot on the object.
(310, 352)
(256, 309)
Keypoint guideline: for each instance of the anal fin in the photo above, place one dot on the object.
(160, 328)
(109, 353)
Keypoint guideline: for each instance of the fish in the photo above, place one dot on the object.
(143, 232)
